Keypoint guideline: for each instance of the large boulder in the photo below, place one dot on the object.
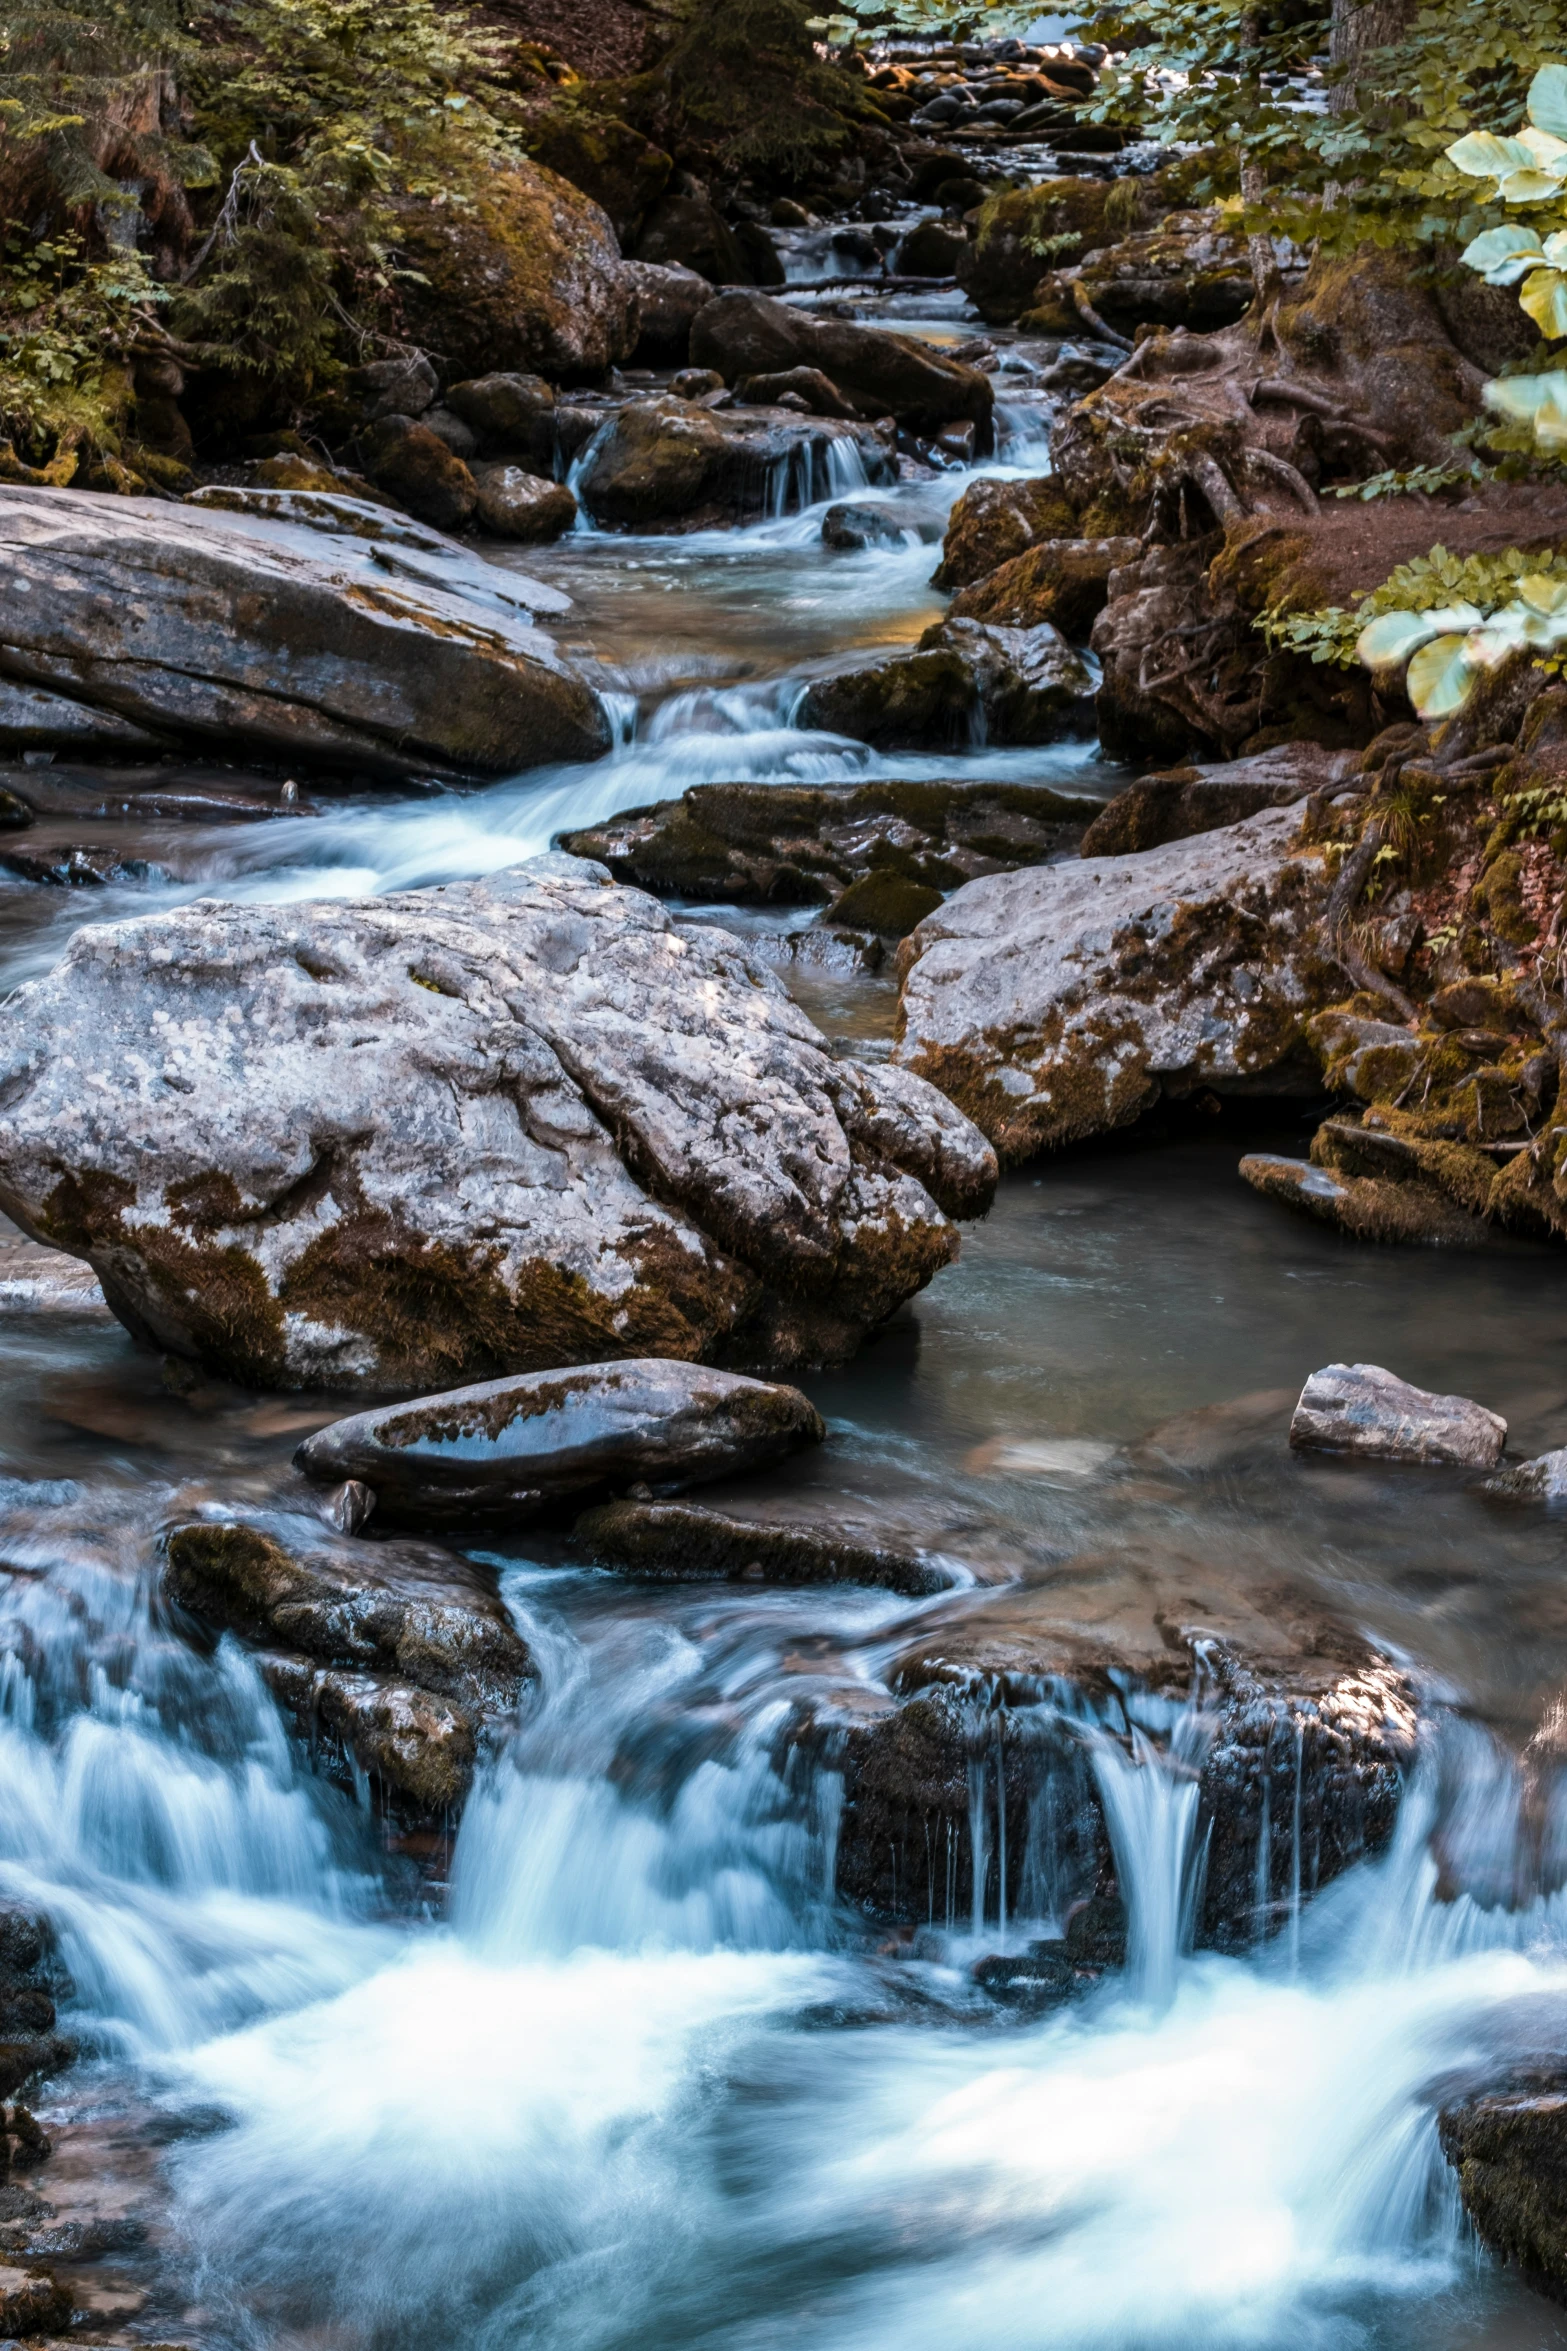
(499, 1126)
(282, 642)
(668, 299)
(422, 472)
(883, 374)
(1183, 801)
(1019, 228)
(963, 681)
(1063, 1001)
(667, 464)
(527, 278)
(507, 1449)
(802, 844)
(515, 504)
(400, 1652)
(621, 171)
(1371, 1414)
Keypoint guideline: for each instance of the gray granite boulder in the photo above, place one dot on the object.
(505, 1449)
(1361, 1409)
(278, 641)
(1062, 1001)
(498, 1126)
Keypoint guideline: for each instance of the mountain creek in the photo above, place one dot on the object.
(1014, 1844)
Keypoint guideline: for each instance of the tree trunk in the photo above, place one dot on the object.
(1358, 28)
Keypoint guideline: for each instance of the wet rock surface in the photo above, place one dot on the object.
(667, 464)
(804, 844)
(237, 631)
(1288, 1716)
(882, 374)
(1367, 1208)
(695, 1542)
(1185, 801)
(967, 680)
(494, 1127)
(397, 1651)
(508, 1448)
(1508, 2148)
(993, 523)
(1360, 1409)
(1062, 1001)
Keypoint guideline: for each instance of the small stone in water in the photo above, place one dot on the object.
(1359, 1408)
(1542, 1480)
(350, 1506)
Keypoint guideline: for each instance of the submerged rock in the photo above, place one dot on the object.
(882, 374)
(280, 642)
(1367, 1208)
(964, 680)
(1542, 1480)
(1283, 1716)
(692, 1542)
(400, 1651)
(1361, 1409)
(499, 1126)
(1063, 1001)
(669, 464)
(801, 844)
(508, 1448)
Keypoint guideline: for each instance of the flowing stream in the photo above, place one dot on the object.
(618, 2070)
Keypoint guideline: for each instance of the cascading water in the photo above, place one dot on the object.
(622, 2069)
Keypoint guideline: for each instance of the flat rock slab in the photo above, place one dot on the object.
(509, 1448)
(284, 640)
(691, 1542)
(1062, 1001)
(1360, 1409)
(803, 844)
(1367, 1208)
(497, 1127)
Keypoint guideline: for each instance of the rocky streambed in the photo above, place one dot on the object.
(668, 1592)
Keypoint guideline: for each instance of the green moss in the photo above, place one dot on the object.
(886, 902)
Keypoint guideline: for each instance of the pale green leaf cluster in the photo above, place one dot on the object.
(1450, 618)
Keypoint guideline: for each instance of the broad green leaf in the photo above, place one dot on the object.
(1544, 296)
(1440, 677)
(1555, 249)
(1484, 156)
(1543, 594)
(1547, 152)
(1529, 187)
(1539, 401)
(1393, 637)
(1503, 255)
(1548, 100)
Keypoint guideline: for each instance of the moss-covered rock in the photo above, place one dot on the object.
(529, 280)
(884, 901)
(1188, 272)
(1020, 232)
(1017, 685)
(686, 232)
(622, 172)
(994, 522)
(421, 473)
(1063, 581)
